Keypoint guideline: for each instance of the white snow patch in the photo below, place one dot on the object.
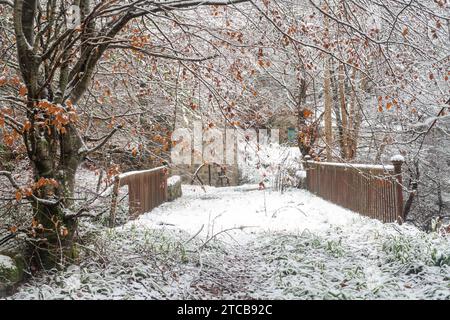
(7, 262)
(300, 174)
(398, 157)
(355, 165)
(131, 173)
(171, 181)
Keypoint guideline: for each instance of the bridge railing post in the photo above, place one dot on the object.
(398, 161)
(115, 195)
(306, 165)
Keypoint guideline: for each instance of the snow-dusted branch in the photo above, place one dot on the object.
(7, 3)
(84, 151)
(16, 186)
(9, 176)
(163, 55)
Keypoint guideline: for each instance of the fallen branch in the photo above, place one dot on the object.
(223, 231)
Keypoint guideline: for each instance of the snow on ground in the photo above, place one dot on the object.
(245, 243)
(245, 211)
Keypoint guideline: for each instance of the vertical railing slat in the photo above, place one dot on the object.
(371, 191)
(146, 190)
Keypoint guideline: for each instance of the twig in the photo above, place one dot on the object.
(84, 152)
(13, 182)
(274, 215)
(198, 178)
(194, 236)
(223, 231)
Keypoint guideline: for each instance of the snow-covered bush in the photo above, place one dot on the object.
(273, 164)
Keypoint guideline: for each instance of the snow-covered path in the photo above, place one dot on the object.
(297, 245)
(245, 211)
(245, 243)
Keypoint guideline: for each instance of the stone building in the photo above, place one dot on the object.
(286, 123)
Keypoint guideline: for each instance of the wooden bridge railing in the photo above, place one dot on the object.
(146, 190)
(371, 190)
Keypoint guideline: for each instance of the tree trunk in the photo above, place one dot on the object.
(344, 115)
(327, 97)
(304, 134)
(413, 186)
(327, 114)
(337, 110)
(55, 181)
(55, 246)
(353, 119)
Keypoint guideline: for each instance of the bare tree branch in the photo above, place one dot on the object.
(85, 152)
(7, 3)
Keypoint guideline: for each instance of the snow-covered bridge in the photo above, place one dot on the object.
(242, 242)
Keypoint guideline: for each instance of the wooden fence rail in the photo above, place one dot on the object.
(146, 190)
(373, 191)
